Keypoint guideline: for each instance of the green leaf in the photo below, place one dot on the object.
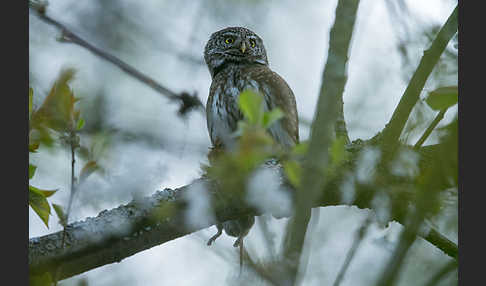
(442, 98)
(270, 117)
(32, 169)
(250, 104)
(48, 193)
(45, 193)
(60, 214)
(57, 110)
(80, 124)
(293, 170)
(39, 204)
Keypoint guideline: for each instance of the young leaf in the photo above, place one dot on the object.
(45, 193)
(57, 110)
(60, 214)
(39, 204)
(442, 97)
(32, 169)
(251, 105)
(80, 124)
(48, 193)
(270, 117)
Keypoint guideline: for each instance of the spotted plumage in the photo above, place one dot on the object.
(232, 71)
(237, 60)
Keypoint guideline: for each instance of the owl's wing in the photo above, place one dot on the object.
(277, 93)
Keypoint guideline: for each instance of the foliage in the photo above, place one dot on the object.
(56, 119)
(442, 97)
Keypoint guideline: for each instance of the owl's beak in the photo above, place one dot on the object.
(243, 47)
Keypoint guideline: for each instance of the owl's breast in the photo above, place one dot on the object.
(222, 111)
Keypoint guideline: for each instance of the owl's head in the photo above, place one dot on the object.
(234, 45)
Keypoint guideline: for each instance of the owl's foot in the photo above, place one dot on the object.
(218, 234)
(238, 241)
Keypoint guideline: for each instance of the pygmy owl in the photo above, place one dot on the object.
(237, 61)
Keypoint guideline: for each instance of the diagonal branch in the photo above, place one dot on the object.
(187, 102)
(429, 129)
(431, 56)
(352, 251)
(327, 115)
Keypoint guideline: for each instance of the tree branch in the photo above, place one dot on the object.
(187, 102)
(409, 98)
(429, 129)
(128, 229)
(328, 114)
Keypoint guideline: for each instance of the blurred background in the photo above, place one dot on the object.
(143, 145)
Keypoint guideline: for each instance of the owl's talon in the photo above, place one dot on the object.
(218, 234)
(237, 241)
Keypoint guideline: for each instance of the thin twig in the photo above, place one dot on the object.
(443, 243)
(267, 236)
(429, 129)
(261, 271)
(352, 251)
(446, 269)
(186, 100)
(407, 238)
(73, 146)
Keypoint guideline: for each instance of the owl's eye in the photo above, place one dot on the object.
(252, 43)
(229, 40)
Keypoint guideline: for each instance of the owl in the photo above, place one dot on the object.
(237, 60)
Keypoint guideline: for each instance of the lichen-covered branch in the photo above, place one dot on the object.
(128, 229)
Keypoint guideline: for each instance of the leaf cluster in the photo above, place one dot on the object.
(56, 119)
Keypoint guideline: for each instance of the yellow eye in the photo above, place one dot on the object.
(252, 43)
(228, 40)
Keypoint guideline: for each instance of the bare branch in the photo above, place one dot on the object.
(187, 101)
